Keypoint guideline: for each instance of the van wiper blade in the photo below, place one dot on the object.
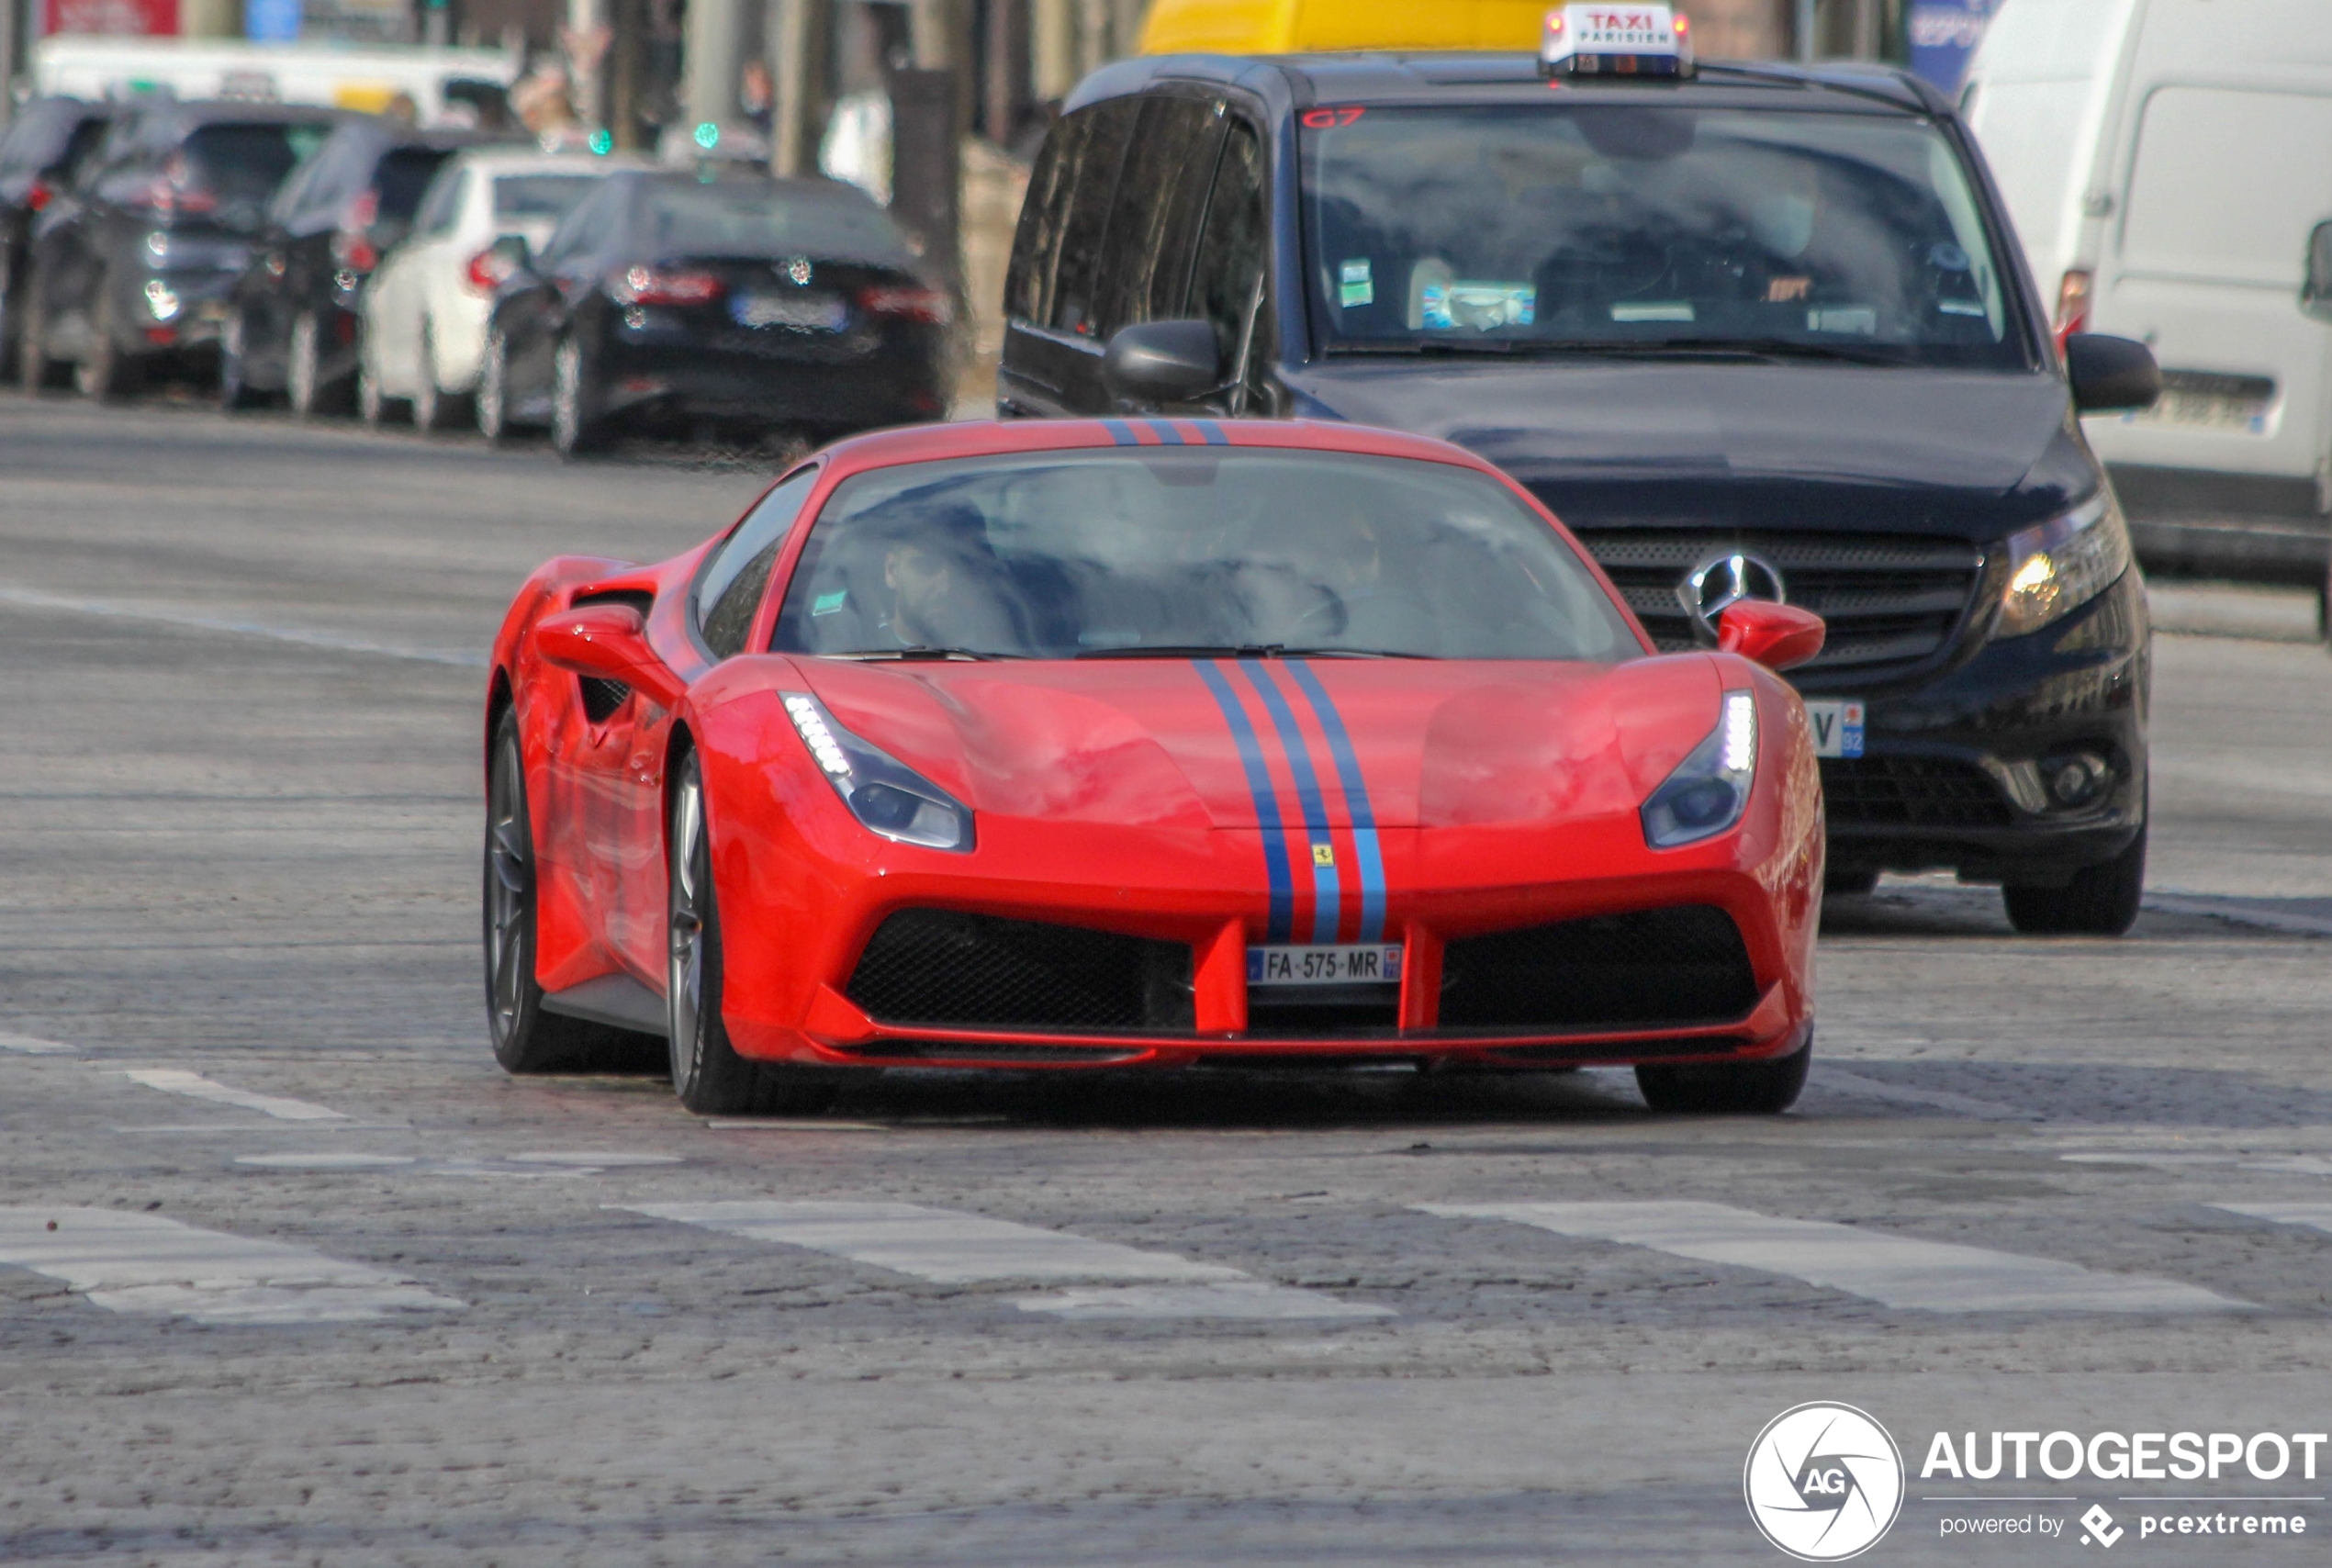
(1427, 346)
(1240, 650)
(1767, 348)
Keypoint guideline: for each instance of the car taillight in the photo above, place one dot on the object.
(354, 251)
(2072, 304)
(38, 194)
(908, 304)
(489, 269)
(646, 285)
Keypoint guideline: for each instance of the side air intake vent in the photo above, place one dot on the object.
(601, 697)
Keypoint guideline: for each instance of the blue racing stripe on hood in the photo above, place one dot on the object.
(1347, 770)
(1259, 787)
(1328, 903)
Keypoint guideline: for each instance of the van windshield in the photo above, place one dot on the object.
(1651, 228)
(1192, 552)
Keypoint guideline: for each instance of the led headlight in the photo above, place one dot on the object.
(1709, 790)
(884, 793)
(2061, 564)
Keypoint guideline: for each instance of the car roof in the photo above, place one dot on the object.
(237, 111)
(496, 159)
(981, 438)
(1391, 78)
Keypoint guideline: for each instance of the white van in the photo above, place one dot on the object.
(447, 87)
(2164, 161)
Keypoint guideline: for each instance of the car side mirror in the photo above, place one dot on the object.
(607, 642)
(2110, 373)
(1162, 362)
(1778, 637)
(2316, 290)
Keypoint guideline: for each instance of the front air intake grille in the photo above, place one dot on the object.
(1910, 791)
(1890, 604)
(1654, 968)
(931, 967)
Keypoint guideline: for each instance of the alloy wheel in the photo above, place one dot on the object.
(684, 977)
(301, 368)
(510, 894)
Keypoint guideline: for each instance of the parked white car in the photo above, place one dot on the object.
(2164, 161)
(426, 307)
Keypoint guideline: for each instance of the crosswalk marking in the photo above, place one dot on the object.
(948, 1248)
(939, 1245)
(32, 1046)
(194, 1086)
(2316, 1216)
(1227, 1298)
(1898, 1271)
(144, 1263)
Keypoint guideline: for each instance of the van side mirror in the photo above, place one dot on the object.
(2110, 373)
(2316, 290)
(1162, 362)
(1778, 637)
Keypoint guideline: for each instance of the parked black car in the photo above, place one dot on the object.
(45, 140)
(292, 319)
(1762, 333)
(677, 301)
(130, 264)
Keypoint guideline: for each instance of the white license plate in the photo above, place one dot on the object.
(1837, 722)
(2210, 410)
(814, 312)
(1362, 963)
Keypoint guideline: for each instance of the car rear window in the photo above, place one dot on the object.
(248, 161)
(754, 218)
(1193, 551)
(553, 197)
(1623, 226)
(404, 174)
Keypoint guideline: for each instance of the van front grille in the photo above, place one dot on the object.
(1891, 604)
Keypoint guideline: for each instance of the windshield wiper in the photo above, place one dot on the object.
(1762, 347)
(921, 652)
(1242, 651)
(1625, 348)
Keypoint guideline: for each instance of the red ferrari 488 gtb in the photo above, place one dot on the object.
(1145, 743)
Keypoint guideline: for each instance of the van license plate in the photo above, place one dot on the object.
(1837, 722)
(1362, 963)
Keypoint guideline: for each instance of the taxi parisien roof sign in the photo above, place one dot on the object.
(1615, 39)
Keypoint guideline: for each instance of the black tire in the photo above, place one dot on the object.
(372, 403)
(2100, 901)
(710, 1077)
(574, 422)
(36, 371)
(305, 388)
(434, 409)
(107, 376)
(493, 403)
(526, 1039)
(1742, 1088)
(235, 390)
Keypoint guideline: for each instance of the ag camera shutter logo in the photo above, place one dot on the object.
(1823, 1482)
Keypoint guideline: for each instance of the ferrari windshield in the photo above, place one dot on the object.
(1193, 551)
(1631, 227)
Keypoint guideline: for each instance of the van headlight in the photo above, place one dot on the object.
(885, 794)
(1709, 790)
(2059, 565)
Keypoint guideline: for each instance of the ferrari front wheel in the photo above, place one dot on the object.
(710, 1077)
(1743, 1088)
(526, 1038)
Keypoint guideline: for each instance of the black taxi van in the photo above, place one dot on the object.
(1749, 330)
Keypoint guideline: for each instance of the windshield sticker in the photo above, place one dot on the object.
(1654, 311)
(828, 603)
(1787, 290)
(1353, 285)
(1328, 119)
(1484, 306)
(1860, 319)
(1960, 307)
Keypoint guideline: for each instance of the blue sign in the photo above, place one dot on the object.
(1943, 33)
(271, 21)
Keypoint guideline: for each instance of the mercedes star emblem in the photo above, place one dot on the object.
(1722, 581)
